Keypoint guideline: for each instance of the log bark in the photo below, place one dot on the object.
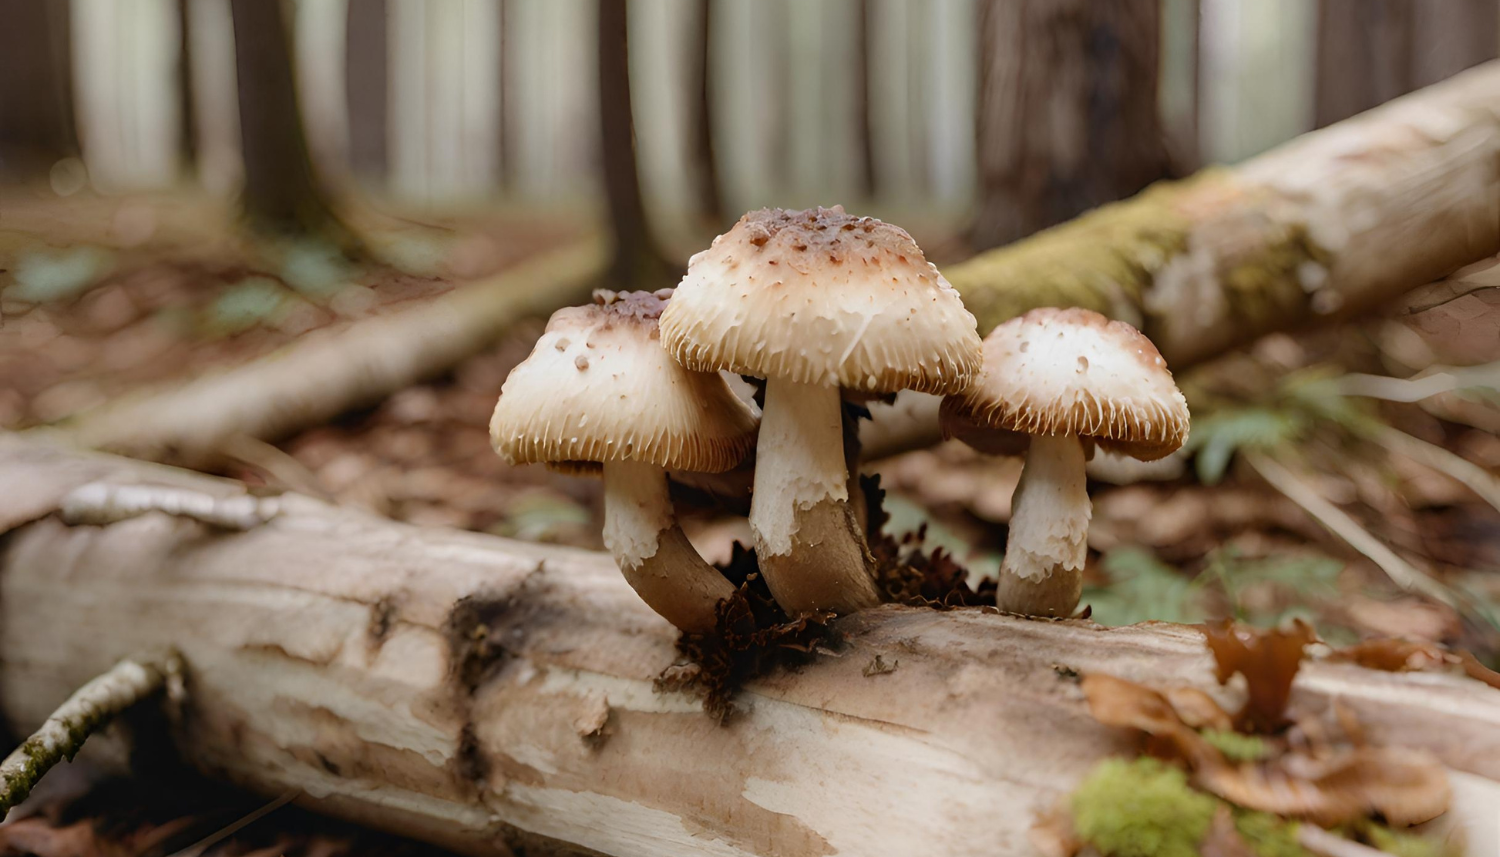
(496, 697)
(331, 371)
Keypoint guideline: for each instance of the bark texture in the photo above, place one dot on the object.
(496, 697)
(1329, 224)
(1068, 116)
(331, 371)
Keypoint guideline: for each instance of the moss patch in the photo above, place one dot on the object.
(1103, 261)
(1237, 746)
(1141, 808)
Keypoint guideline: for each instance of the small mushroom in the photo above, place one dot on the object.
(1054, 383)
(599, 393)
(814, 301)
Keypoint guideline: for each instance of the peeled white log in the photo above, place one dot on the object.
(496, 697)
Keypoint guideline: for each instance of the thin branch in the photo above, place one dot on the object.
(1440, 379)
(1476, 478)
(85, 712)
(1401, 572)
(102, 504)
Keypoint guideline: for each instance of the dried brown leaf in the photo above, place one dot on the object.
(1268, 660)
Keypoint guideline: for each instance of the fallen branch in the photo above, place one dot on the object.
(496, 697)
(329, 372)
(85, 712)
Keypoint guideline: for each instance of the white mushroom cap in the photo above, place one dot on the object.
(1074, 372)
(822, 297)
(599, 387)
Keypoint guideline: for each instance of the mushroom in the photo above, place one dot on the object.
(813, 301)
(598, 389)
(1068, 379)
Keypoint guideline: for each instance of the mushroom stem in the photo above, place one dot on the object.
(1042, 574)
(641, 532)
(807, 542)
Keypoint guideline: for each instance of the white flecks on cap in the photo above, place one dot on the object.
(598, 387)
(1073, 371)
(822, 297)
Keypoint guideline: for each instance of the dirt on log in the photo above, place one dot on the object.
(497, 697)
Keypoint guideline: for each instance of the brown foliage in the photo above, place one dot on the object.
(1268, 660)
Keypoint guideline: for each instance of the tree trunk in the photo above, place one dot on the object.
(365, 68)
(282, 193)
(496, 697)
(1371, 51)
(1068, 114)
(705, 164)
(1364, 55)
(36, 88)
(637, 264)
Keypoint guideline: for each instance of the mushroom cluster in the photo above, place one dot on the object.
(825, 307)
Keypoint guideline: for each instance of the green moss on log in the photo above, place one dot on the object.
(1104, 260)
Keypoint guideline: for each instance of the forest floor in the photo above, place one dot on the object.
(111, 295)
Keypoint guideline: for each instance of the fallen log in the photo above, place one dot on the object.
(496, 697)
(331, 371)
(1328, 225)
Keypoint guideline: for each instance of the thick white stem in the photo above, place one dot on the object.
(641, 532)
(1049, 524)
(799, 460)
(808, 543)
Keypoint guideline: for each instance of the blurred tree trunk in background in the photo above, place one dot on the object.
(36, 87)
(282, 193)
(1068, 114)
(705, 163)
(365, 72)
(188, 127)
(863, 12)
(1364, 50)
(1370, 51)
(637, 262)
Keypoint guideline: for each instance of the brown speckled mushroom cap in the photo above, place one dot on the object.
(1073, 371)
(822, 297)
(599, 387)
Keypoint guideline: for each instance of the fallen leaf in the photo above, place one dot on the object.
(1406, 786)
(1268, 660)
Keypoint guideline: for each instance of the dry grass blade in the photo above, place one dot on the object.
(1401, 572)
(1437, 380)
(1476, 478)
(229, 830)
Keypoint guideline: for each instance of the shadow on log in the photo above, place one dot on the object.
(487, 695)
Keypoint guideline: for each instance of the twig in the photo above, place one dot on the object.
(1476, 478)
(1401, 572)
(101, 504)
(1439, 379)
(88, 709)
(213, 839)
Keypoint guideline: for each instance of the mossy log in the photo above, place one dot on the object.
(1332, 223)
(497, 697)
